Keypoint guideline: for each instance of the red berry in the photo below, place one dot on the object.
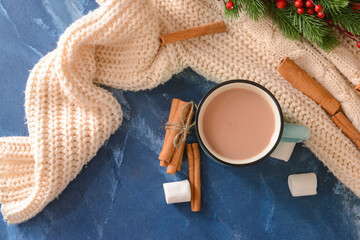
(230, 5)
(321, 14)
(301, 10)
(299, 3)
(358, 44)
(318, 8)
(281, 4)
(310, 11)
(309, 4)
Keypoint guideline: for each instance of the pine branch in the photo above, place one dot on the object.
(330, 41)
(312, 28)
(333, 5)
(255, 9)
(315, 30)
(345, 17)
(283, 18)
(294, 25)
(234, 13)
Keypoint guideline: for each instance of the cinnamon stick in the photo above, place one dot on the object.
(197, 178)
(357, 88)
(163, 164)
(173, 109)
(302, 81)
(206, 29)
(190, 156)
(174, 117)
(347, 128)
(181, 160)
(175, 159)
(306, 84)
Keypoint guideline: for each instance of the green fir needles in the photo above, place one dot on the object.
(294, 24)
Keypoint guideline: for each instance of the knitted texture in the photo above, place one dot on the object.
(69, 116)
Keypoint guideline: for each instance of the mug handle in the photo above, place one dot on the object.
(295, 133)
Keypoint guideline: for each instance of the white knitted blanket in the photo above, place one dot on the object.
(69, 116)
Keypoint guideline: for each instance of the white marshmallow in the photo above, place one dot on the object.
(176, 192)
(283, 151)
(302, 184)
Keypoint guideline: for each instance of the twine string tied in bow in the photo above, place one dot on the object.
(185, 126)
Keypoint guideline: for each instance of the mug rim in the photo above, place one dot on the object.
(222, 85)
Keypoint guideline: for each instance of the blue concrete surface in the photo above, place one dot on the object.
(119, 194)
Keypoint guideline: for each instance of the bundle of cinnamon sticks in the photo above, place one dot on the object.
(172, 153)
(177, 129)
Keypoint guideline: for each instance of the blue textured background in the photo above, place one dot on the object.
(119, 194)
